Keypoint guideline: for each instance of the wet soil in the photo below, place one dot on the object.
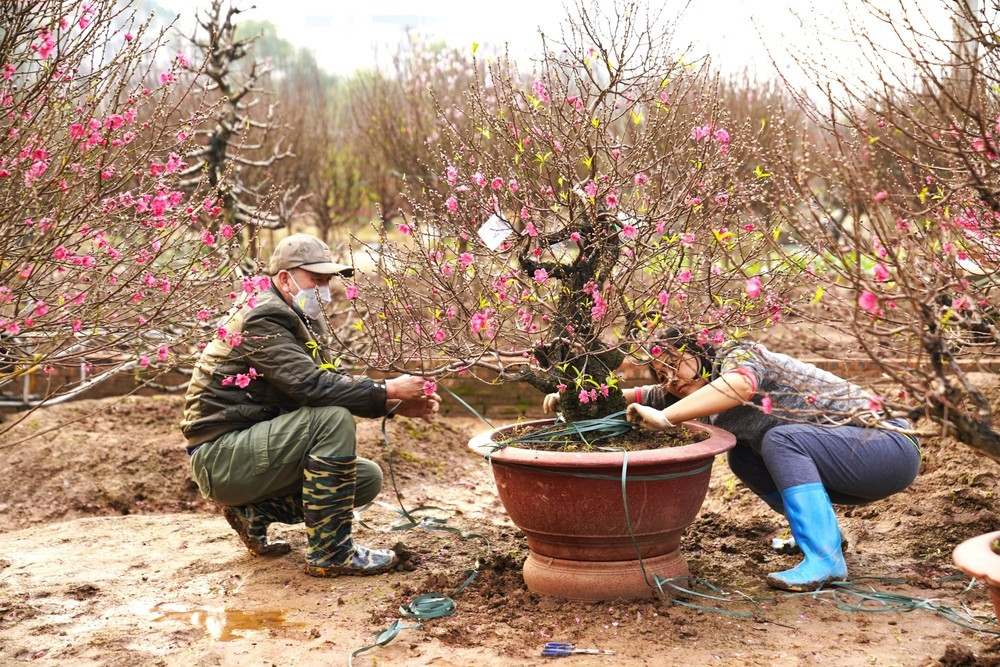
(108, 556)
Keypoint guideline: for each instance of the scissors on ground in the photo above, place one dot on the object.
(562, 649)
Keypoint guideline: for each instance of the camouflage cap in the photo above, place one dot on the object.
(302, 251)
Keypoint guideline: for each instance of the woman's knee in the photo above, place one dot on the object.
(369, 482)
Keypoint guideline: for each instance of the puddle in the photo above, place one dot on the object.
(221, 624)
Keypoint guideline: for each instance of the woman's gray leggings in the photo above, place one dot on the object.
(856, 465)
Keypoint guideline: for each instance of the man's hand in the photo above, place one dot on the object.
(648, 418)
(424, 407)
(405, 388)
(550, 403)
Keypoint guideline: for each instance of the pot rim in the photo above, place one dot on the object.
(976, 558)
(719, 442)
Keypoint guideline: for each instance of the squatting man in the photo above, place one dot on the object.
(278, 445)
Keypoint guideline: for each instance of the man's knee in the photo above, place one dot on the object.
(369, 482)
(332, 431)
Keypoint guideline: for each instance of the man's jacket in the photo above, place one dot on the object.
(273, 340)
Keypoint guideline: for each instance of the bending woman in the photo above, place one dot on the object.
(794, 446)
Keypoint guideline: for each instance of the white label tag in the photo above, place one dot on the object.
(494, 231)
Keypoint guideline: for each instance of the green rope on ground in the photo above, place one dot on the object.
(383, 638)
(427, 605)
(865, 599)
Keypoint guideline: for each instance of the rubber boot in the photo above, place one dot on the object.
(814, 527)
(788, 545)
(328, 504)
(251, 521)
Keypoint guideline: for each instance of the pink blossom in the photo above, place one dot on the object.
(575, 236)
(539, 89)
(722, 199)
(162, 353)
(541, 275)
(166, 78)
(611, 199)
(479, 179)
(430, 387)
(202, 315)
(702, 132)
(207, 238)
(452, 204)
(641, 179)
(439, 336)
(880, 196)
(514, 187)
(242, 380)
(465, 259)
(226, 232)
(753, 287)
(561, 387)
(765, 405)
(584, 396)
(881, 272)
(496, 183)
(351, 292)
(404, 229)
(684, 276)
(629, 231)
(722, 136)
(591, 189)
(41, 308)
(868, 301)
(129, 37)
(143, 360)
(451, 175)
(531, 230)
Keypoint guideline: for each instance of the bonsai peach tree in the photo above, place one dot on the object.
(595, 201)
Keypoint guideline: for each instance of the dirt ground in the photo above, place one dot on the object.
(109, 557)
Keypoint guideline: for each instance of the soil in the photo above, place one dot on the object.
(108, 556)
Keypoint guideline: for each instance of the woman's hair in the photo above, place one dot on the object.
(683, 342)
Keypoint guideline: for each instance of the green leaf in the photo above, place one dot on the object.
(818, 295)
(475, 47)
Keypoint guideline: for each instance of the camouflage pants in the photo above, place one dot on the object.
(267, 460)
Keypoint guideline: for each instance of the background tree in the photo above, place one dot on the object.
(236, 153)
(911, 284)
(102, 268)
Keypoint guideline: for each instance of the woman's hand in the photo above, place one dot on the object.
(648, 418)
(550, 403)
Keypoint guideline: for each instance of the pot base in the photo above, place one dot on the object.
(594, 581)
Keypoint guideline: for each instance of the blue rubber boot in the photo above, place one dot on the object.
(814, 527)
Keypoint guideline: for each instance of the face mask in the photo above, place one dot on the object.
(306, 299)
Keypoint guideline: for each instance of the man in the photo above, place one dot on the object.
(269, 421)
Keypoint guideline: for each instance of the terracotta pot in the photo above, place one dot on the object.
(977, 559)
(570, 506)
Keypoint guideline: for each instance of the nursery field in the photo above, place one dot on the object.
(108, 556)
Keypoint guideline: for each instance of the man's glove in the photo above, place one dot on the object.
(550, 403)
(648, 418)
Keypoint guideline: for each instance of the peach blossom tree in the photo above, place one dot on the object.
(105, 264)
(899, 199)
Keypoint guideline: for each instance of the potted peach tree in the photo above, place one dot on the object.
(582, 208)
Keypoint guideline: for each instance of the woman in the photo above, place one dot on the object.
(800, 442)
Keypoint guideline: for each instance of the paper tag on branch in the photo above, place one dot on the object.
(494, 231)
